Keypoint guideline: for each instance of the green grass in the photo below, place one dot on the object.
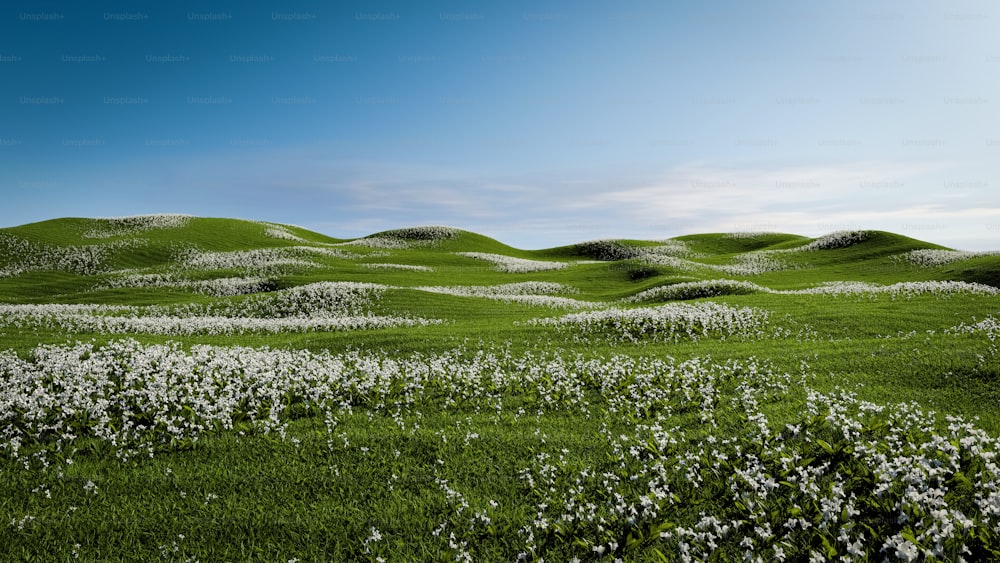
(315, 495)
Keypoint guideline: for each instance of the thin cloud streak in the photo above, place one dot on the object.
(531, 209)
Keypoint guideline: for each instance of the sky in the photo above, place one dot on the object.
(539, 123)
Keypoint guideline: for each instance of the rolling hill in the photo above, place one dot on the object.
(70, 259)
(187, 388)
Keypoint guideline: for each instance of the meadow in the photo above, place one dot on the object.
(194, 389)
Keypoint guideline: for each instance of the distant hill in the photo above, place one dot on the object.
(78, 258)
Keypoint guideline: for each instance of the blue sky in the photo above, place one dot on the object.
(538, 123)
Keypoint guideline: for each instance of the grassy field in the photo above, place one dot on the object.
(202, 389)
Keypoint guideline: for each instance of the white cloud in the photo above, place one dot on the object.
(534, 209)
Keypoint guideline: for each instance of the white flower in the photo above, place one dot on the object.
(509, 264)
(930, 258)
(411, 267)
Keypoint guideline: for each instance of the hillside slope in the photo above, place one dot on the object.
(164, 256)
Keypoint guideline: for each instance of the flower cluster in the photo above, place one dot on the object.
(670, 322)
(281, 232)
(717, 287)
(695, 290)
(208, 325)
(900, 289)
(529, 293)
(385, 243)
(329, 252)
(132, 395)
(612, 250)
(989, 326)
(668, 247)
(758, 261)
(837, 239)
(746, 264)
(406, 238)
(410, 267)
(508, 289)
(226, 287)
(747, 234)
(315, 300)
(220, 287)
(846, 480)
(930, 258)
(425, 233)
(121, 226)
(511, 265)
(260, 259)
(24, 256)
(606, 250)
(752, 264)
(323, 306)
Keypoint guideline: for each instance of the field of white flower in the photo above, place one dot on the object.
(670, 322)
(189, 389)
(844, 478)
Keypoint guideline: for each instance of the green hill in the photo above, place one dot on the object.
(62, 258)
(188, 388)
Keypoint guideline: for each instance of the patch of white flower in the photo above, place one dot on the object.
(225, 287)
(609, 250)
(315, 300)
(119, 226)
(389, 266)
(25, 256)
(717, 287)
(759, 261)
(678, 263)
(856, 480)
(746, 264)
(748, 234)
(406, 238)
(529, 293)
(837, 239)
(930, 258)
(510, 289)
(281, 232)
(331, 252)
(695, 290)
(668, 247)
(208, 325)
(384, 243)
(670, 322)
(989, 326)
(323, 306)
(256, 260)
(511, 265)
(752, 264)
(321, 299)
(424, 233)
(901, 289)
(221, 287)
